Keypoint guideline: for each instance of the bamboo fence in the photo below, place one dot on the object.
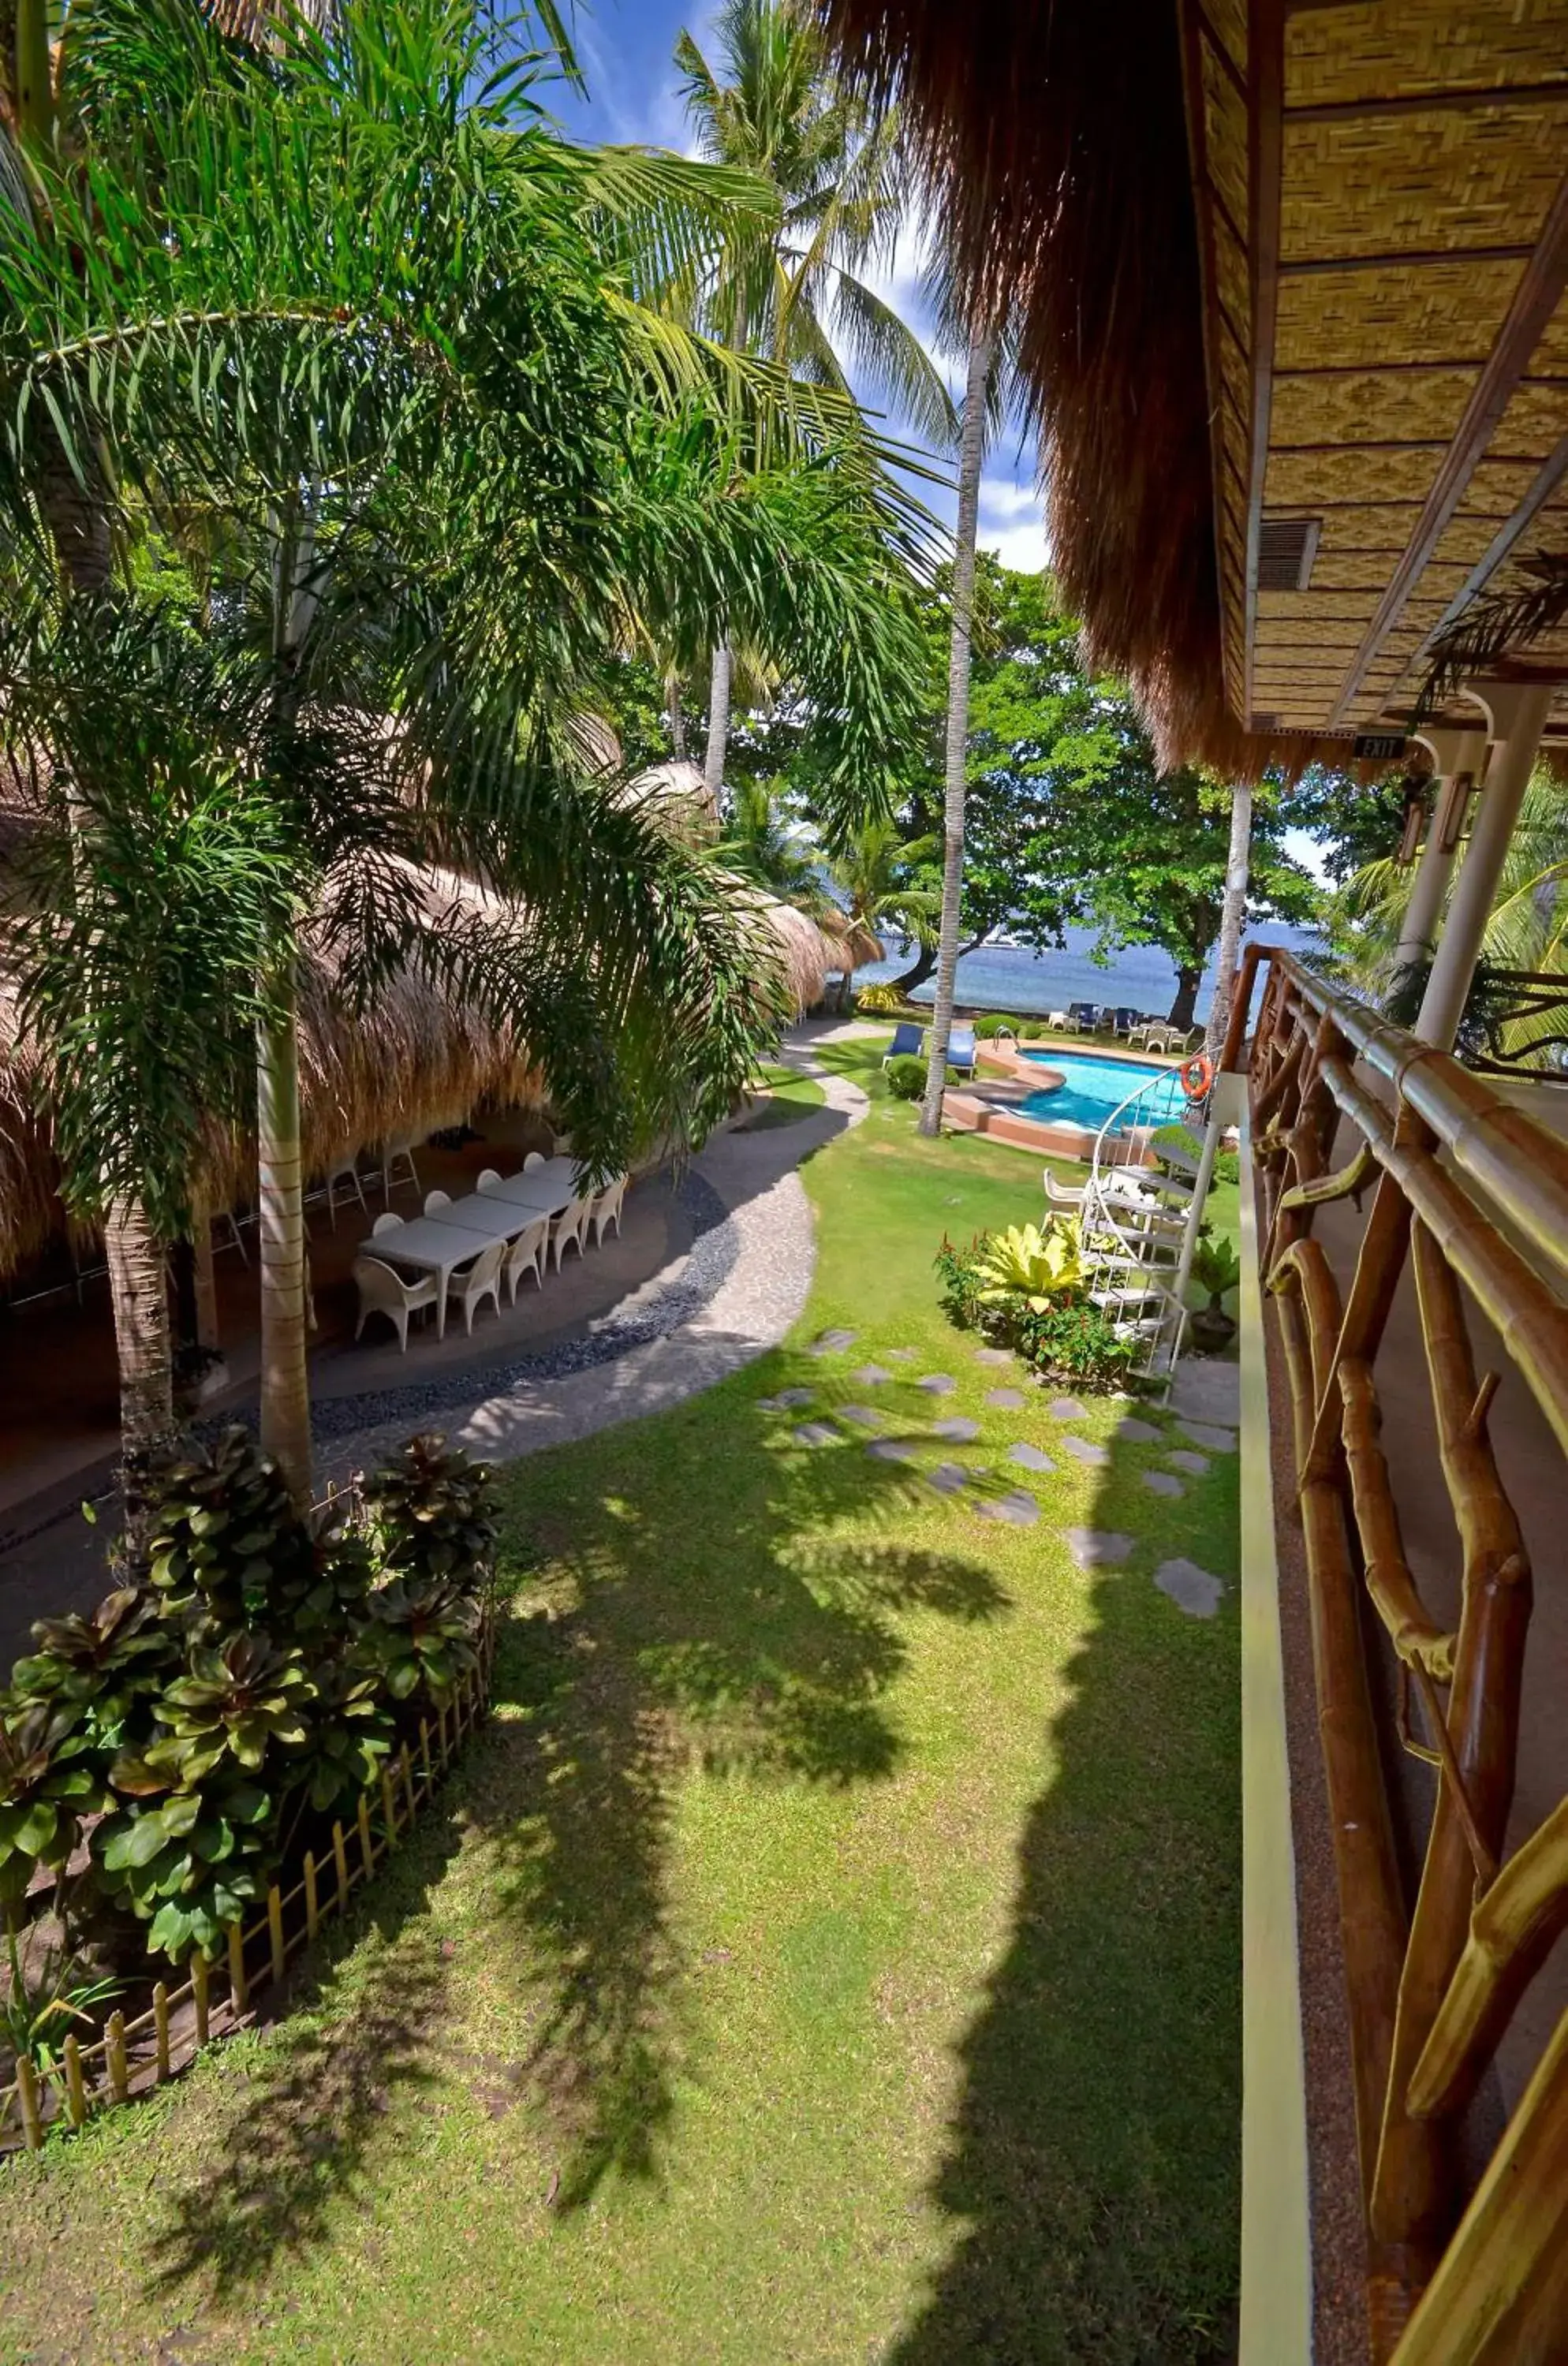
(1470, 1196)
(215, 1998)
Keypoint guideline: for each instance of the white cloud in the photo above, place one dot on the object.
(1022, 547)
(1003, 502)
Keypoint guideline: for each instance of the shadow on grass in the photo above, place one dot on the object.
(1092, 2178)
(681, 1625)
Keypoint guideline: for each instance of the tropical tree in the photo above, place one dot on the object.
(391, 335)
(795, 290)
(878, 875)
(763, 840)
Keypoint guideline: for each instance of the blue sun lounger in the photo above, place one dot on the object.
(961, 1050)
(908, 1041)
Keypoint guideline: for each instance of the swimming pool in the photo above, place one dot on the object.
(1092, 1088)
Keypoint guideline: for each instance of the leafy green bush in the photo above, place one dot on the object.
(986, 1030)
(963, 1280)
(1058, 1332)
(1036, 1263)
(1072, 1340)
(255, 1678)
(907, 1076)
(1033, 1031)
(1169, 1138)
(1216, 1269)
(873, 1000)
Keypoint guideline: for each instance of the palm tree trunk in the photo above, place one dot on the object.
(1234, 916)
(971, 456)
(718, 720)
(285, 1385)
(139, 1292)
(677, 717)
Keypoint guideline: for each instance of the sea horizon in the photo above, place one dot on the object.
(1023, 983)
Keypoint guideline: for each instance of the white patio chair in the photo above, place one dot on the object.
(344, 1173)
(382, 1291)
(490, 1179)
(226, 1218)
(433, 1200)
(527, 1254)
(532, 1164)
(560, 1145)
(388, 1220)
(606, 1210)
(472, 1284)
(1062, 1195)
(395, 1155)
(567, 1228)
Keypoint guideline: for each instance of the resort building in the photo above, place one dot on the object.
(1288, 280)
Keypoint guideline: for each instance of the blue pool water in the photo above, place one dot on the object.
(1092, 1088)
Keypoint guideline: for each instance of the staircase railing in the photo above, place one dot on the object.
(1124, 1242)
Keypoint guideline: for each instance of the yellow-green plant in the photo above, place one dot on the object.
(1038, 1265)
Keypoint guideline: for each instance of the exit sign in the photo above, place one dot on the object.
(1379, 747)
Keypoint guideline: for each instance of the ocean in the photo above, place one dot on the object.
(1016, 979)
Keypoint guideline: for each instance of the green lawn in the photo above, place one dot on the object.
(789, 1097)
(830, 1954)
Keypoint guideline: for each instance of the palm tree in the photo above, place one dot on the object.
(795, 290)
(876, 874)
(979, 381)
(436, 549)
(762, 841)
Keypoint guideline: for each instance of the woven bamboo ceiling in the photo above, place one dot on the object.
(1383, 237)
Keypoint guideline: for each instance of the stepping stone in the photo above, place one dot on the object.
(784, 1400)
(864, 1416)
(1067, 1409)
(1205, 1391)
(1218, 1441)
(1139, 1433)
(815, 1433)
(1005, 1400)
(1096, 1548)
(1083, 1450)
(1019, 1508)
(870, 1375)
(1160, 1482)
(957, 1433)
(832, 1342)
(949, 1478)
(1000, 1357)
(1029, 1457)
(891, 1449)
(1191, 1588)
(937, 1384)
(1195, 1465)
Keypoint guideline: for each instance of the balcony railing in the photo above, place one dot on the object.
(1469, 1197)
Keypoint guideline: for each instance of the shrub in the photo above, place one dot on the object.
(1033, 1031)
(1037, 1264)
(256, 1677)
(1216, 1269)
(1060, 1335)
(963, 1280)
(1072, 1340)
(987, 1029)
(874, 999)
(907, 1076)
(1167, 1138)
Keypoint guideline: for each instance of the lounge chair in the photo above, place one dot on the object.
(908, 1042)
(961, 1050)
(388, 1220)
(382, 1291)
(606, 1211)
(1125, 1020)
(1083, 1018)
(472, 1284)
(527, 1254)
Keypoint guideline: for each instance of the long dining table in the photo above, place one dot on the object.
(448, 1237)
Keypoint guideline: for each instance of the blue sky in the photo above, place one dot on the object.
(625, 48)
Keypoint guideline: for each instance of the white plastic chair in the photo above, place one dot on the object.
(533, 1163)
(474, 1283)
(560, 1144)
(344, 1172)
(236, 1240)
(395, 1155)
(1062, 1195)
(527, 1254)
(433, 1200)
(382, 1291)
(388, 1220)
(606, 1210)
(567, 1228)
(490, 1179)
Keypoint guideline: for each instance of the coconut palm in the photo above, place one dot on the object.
(878, 876)
(764, 841)
(794, 288)
(453, 454)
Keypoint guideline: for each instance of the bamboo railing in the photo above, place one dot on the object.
(1470, 1202)
(135, 2055)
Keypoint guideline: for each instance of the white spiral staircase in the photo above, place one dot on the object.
(1133, 1225)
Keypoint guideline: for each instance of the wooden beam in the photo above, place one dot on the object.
(1206, 27)
(1535, 299)
(1205, 196)
(1432, 102)
(1507, 535)
(1311, 266)
(1265, 170)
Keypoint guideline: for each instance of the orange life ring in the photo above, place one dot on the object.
(1196, 1077)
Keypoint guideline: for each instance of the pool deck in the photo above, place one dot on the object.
(1007, 1076)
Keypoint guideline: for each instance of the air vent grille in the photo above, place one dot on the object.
(1265, 723)
(1286, 549)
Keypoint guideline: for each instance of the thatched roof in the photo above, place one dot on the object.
(1288, 289)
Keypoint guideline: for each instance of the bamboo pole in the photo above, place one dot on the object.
(407, 1765)
(198, 1989)
(1413, 1632)
(1513, 1929)
(238, 1988)
(75, 2085)
(275, 1932)
(312, 1912)
(1380, 1266)
(389, 1806)
(339, 1865)
(114, 2039)
(424, 1750)
(161, 2028)
(367, 1846)
(27, 2098)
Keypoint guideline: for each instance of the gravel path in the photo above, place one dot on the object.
(754, 1261)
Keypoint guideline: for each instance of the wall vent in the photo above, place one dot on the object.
(1286, 549)
(1264, 723)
